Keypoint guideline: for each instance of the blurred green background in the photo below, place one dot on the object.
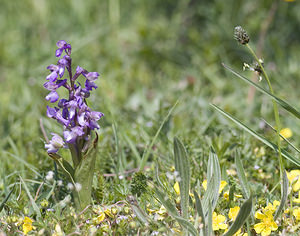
(149, 54)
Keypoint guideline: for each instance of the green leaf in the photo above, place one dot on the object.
(259, 137)
(242, 216)
(35, 207)
(182, 166)
(285, 139)
(213, 182)
(141, 215)
(209, 220)
(241, 175)
(147, 152)
(200, 210)
(171, 209)
(281, 102)
(83, 175)
(284, 194)
(6, 199)
(187, 225)
(163, 198)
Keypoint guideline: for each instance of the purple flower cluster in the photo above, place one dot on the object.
(73, 113)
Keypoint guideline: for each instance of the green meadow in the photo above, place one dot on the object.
(199, 137)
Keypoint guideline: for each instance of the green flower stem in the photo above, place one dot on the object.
(275, 108)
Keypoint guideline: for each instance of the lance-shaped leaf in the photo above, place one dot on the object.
(241, 217)
(284, 194)
(182, 166)
(241, 175)
(84, 176)
(259, 137)
(200, 211)
(213, 182)
(281, 102)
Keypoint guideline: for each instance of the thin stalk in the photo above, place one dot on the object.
(275, 108)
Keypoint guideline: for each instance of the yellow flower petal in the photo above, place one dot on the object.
(27, 225)
(296, 186)
(176, 188)
(296, 213)
(101, 217)
(259, 227)
(266, 232)
(259, 215)
(286, 132)
(204, 184)
(222, 185)
(233, 212)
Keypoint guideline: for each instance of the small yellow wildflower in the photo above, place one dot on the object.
(267, 223)
(222, 185)
(27, 225)
(297, 200)
(272, 207)
(294, 179)
(296, 213)
(233, 212)
(286, 132)
(100, 218)
(218, 222)
(176, 188)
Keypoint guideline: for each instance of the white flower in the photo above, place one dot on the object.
(49, 175)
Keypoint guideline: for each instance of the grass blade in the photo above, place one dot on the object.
(285, 139)
(35, 207)
(242, 216)
(241, 175)
(259, 137)
(6, 199)
(149, 148)
(182, 166)
(163, 198)
(284, 194)
(281, 102)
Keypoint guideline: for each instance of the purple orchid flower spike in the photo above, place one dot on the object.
(78, 120)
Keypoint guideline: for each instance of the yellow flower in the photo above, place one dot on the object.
(218, 222)
(296, 213)
(233, 212)
(100, 218)
(297, 200)
(294, 179)
(286, 132)
(226, 195)
(267, 223)
(222, 185)
(176, 188)
(27, 225)
(271, 207)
